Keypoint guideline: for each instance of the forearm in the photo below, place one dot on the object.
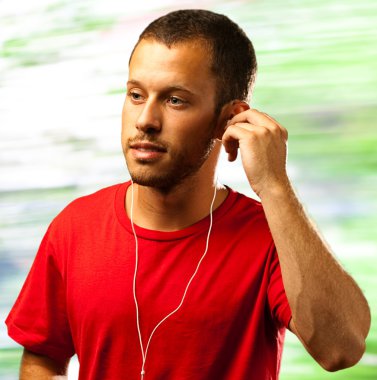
(329, 312)
(38, 367)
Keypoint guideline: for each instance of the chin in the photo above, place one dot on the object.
(167, 176)
(161, 182)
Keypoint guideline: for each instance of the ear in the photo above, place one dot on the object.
(228, 111)
(238, 106)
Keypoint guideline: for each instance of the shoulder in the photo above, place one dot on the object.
(245, 206)
(91, 207)
(246, 214)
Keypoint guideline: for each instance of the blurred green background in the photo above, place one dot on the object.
(63, 68)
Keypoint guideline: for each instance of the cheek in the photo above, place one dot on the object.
(126, 125)
(125, 112)
(124, 115)
(128, 118)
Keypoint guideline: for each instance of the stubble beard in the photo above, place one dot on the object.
(181, 167)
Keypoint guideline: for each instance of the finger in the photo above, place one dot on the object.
(247, 131)
(231, 138)
(249, 127)
(283, 130)
(259, 119)
(233, 135)
(240, 131)
(231, 147)
(252, 116)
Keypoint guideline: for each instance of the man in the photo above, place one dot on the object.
(174, 276)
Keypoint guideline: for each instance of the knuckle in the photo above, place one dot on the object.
(275, 128)
(264, 132)
(253, 136)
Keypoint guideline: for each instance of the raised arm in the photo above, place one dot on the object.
(330, 315)
(38, 367)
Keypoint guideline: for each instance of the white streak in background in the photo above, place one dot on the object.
(60, 119)
(57, 120)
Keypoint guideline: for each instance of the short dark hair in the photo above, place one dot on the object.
(233, 57)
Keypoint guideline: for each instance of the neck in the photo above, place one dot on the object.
(174, 210)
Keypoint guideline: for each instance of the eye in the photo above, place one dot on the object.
(135, 96)
(175, 101)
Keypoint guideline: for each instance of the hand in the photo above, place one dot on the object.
(263, 145)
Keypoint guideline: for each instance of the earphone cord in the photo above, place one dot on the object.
(145, 352)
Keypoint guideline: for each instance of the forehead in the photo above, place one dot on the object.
(187, 64)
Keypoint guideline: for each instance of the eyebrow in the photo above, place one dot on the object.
(174, 87)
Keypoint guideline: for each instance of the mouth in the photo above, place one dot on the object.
(146, 151)
(147, 147)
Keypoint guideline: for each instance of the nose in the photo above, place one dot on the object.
(149, 120)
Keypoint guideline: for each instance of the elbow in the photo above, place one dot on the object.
(348, 351)
(343, 358)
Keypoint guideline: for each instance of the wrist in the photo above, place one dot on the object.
(279, 190)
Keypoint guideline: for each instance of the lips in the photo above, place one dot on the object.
(145, 151)
(147, 147)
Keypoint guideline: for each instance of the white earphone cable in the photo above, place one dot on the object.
(145, 352)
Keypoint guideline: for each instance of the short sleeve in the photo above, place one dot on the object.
(38, 320)
(277, 298)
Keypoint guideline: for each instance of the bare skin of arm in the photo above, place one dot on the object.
(330, 315)
(38, 367)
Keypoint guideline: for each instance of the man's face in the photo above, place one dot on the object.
(168, 120)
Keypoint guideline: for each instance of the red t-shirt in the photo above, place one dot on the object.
(78, 295)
